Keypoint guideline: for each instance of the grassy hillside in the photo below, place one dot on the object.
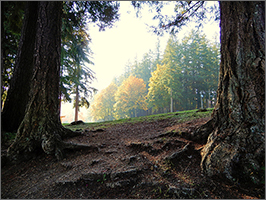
(181, 116)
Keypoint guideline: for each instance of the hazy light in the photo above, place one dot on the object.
(128, 39)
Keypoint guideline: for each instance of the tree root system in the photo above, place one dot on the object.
(142, 160)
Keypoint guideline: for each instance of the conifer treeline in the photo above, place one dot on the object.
(185, 77)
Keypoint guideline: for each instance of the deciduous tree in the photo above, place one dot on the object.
(159, 89)
(102, 108)
(173, 73)
(130, 97)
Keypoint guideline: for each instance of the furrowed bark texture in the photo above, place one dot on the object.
(236, 146)
(41, 126)
(17, 97)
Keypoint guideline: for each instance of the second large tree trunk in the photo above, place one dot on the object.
(235, 148)
(18, 93)
(41, 126)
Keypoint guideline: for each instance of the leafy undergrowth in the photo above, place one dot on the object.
(137, 158)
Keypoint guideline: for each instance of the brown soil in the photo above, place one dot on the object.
(143, 160)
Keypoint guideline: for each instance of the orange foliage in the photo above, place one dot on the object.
(130, 96)
(102, 106)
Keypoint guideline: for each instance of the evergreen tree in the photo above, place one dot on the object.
(171, 58)
(143, 69)
(187, 72)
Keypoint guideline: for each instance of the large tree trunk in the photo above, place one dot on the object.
(18, 93)
(235, 148)
(41, 126)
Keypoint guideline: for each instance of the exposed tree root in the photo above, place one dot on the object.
(179, 153)
(61, 146)
(70, 145)
(51, 142)
(67, 133)
(54, 144)
(202, 133)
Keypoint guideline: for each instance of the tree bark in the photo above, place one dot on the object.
(41, 126)
(17, 97)
(235, 148)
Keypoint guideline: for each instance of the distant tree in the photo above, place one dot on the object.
(189, 68)
(80, 75)
(75, 74)
(141, 68)
(144, 68)
(97, 110)
(171, 59)
(127, 72)
(130, 97)
(200, 66)
(157, 57)
(102, 108)
(158, 96)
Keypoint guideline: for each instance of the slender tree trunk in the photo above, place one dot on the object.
(201, 101)
(235, 148)
(60, 103)
(77, 104)
(209, 100)
(171, 101)
(41, 126)
(18, 93)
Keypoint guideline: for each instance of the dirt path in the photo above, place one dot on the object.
(125, 161)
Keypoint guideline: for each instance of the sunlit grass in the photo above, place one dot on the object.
(180, 116)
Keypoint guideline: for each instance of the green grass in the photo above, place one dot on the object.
(180, 116)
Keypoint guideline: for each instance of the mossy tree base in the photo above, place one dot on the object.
(41, 127)
(235, 147)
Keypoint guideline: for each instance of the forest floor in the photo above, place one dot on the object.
(141, 159)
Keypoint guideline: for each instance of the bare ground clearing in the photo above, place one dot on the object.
(124, 161)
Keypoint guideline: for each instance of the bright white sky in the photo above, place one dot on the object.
(114, 47)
